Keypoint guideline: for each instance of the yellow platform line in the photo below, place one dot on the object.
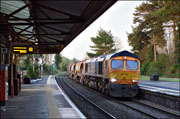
(52, 107)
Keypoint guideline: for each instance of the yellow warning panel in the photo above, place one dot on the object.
(30, 49)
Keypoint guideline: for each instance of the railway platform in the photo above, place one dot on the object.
(43, 99)
(165, 87)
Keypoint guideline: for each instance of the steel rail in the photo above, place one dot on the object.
(164, 111)
(138, 110)
(104, 111)
(142, 111)
(123, 103)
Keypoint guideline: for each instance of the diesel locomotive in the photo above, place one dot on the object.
(115, 74)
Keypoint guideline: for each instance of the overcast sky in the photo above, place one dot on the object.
(118, 19)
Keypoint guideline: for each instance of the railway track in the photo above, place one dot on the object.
(159, 113)
(164, 111)
(104, 112)
(142, 108)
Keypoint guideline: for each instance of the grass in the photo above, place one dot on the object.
(142, 77)
(61, 73)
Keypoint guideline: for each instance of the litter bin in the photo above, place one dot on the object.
(19, 77)
(16, 86)
(154, 77)
(27, 81)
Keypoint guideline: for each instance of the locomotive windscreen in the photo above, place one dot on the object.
(117, 64)
(131, 65)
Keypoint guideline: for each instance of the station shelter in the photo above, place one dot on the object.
(39, 27)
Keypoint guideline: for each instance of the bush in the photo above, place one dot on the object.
(144, 68)
(33, 74)
(55, 71)
(26, 76)
(47, 69)
(163, 61)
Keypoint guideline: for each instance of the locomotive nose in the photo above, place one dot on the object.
(124, 90)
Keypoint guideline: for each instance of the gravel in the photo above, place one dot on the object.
(114, 108)
(84, 106)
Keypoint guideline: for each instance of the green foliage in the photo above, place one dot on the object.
(58, 60)
(177, 49)
(150, 53)
(151, 18)
(144, 67)
(63, 65)
(29, 70)
(61, 73)
(103, 44)
(162, 67)
(27, 61)
(139, 41)
(65, 62)
(73, 60)
(33, 74)
(26, 76)
(47, 69)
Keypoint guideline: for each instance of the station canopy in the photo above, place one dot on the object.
(49, 25)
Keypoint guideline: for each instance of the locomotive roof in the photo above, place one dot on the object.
(124, 53)
(109, 56)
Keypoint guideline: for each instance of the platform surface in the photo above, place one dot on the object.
(161, 84)
(165, 87)
(43, 99)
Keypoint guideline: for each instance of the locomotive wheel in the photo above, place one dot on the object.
(82, 83)
(107, 92)
(103, 91)
(97, 87)
(100, 89)
(89, 85)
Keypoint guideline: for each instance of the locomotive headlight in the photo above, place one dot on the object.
(134, 80)
(113, 80)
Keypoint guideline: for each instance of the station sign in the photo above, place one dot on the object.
(23, 49)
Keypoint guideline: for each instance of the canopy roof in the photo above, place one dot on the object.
(49, 25)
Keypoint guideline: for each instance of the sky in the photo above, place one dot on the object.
(118, 19)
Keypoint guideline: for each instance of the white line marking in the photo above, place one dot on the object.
(162, 90)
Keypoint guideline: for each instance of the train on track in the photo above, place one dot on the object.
(115, 74)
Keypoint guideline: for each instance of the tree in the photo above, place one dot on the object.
(150, 23)
(58, 60)
(177, 49)
(118, 44)
(27, 61)
(103, 44)
(64, 64)
(153, 19)
(169, 14)
(74, 60)
(140, 42)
